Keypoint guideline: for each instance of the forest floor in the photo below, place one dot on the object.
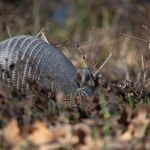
(118, 116)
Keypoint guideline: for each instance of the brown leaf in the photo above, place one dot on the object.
(12, 132)
(127, 136)
(41, 134)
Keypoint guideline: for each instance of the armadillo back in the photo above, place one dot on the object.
(24, 58)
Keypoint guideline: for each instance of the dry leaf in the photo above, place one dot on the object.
(41, 134)
(12, 132)
(127, 136)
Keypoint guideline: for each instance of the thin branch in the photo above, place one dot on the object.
(134, 37)
(61, 44)
(44, 37)
(146, 29)
(8, 30)
(107, 59)
(142, 62)
(82, 55)
(42, 30)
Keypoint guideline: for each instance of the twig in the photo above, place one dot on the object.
(44, 37)
(107, 59)
(142, 62)
(134, 37)
(85, 61)
(83, 57)
(146, 29)
(42, 30)
(8, 30)
(139, 81)
(61, 44)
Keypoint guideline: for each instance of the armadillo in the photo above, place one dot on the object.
(24, 58)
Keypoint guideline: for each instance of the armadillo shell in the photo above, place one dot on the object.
(26, 58)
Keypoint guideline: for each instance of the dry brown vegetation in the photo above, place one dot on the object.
(118, 116)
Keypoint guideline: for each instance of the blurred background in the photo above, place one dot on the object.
(94, 24)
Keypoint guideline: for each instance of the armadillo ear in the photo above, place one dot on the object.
(79, 76)
(83, 76)
(86, 75)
